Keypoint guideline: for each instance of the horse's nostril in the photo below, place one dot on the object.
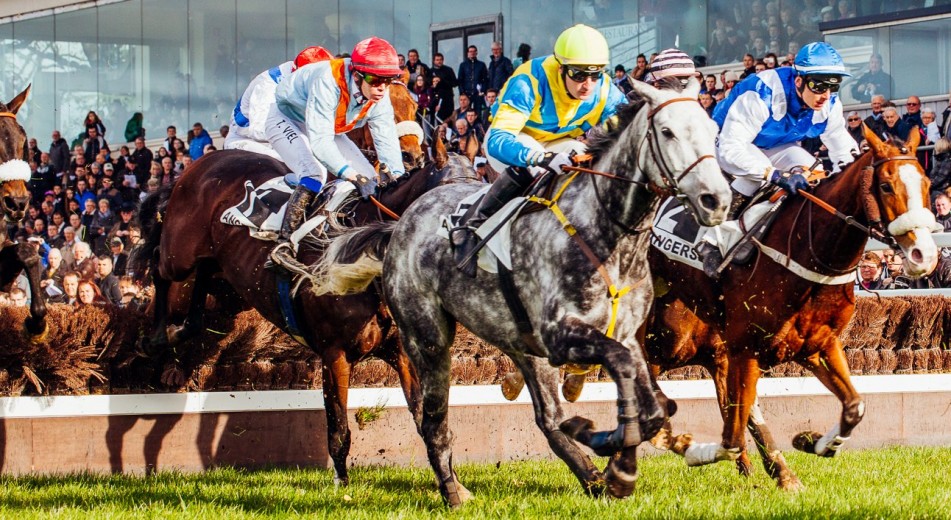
(709, 202)
(917, 256)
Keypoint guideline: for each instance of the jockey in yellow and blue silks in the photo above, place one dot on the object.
(541, 111)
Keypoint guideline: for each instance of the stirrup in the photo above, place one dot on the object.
(283, 259)
(712, 259)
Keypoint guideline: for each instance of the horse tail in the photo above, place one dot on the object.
(144, 257)
(352, 260)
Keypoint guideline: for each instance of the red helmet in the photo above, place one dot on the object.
(375, 56)
(312, 55)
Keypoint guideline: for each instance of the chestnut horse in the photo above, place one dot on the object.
(791, 302)
(408, 130)
(185, 238)
(14, 201)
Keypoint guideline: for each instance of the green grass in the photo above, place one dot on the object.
(888, 483)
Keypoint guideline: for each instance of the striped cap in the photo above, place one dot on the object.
(670, 62)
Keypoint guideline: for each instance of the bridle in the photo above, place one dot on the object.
(872, 209)
(11, 115)
(671, 180)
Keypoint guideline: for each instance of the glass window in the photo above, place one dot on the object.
(262, 39)
(355, 25)
(120, 69)
(213, 72)
(682, 25)
(537, 23)
(34, 61)
(870, 76)
(411, 28)
(77, 78)
(919, 58)
(7, 81)
(456, 10)
(165, 63)
(313, 23)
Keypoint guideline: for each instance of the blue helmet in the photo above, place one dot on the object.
(819, 58)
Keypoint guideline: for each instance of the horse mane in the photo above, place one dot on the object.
(600, 142)
(150, 217)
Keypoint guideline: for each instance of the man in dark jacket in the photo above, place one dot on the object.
(473, 76)
(415, 66)
(59, 153)
(500, 68)
(141, 158)
(93, 144)
(443, 88)
(874, 82)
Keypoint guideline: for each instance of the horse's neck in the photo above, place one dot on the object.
(830, 237)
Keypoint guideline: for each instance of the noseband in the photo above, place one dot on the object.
(671, 180)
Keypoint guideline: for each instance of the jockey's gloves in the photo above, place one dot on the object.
(789, 181)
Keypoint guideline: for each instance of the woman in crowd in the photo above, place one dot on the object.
(88, 294)
(93, 121)
(424, 98)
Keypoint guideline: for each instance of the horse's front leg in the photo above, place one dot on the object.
(542, 380)
(336, 375)
(36, 325)
(392, 353)
(640, 415)
(830, 366)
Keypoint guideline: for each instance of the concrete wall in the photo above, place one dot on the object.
(486, 429)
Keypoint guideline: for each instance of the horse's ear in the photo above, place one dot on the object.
(914, 139)
(692, 90)
(874, 141)
(645, 91)
(440, 156)
(14, 105)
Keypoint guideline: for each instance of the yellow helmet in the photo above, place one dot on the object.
(582, 45)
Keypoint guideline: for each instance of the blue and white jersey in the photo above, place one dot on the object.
(251, 110)
(764, 110)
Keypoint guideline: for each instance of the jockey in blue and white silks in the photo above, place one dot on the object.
(541, 111)
(765, 117)
(249, 120)
(316, 106)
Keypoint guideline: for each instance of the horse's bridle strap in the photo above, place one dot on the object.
(8, 114)
(652, 113)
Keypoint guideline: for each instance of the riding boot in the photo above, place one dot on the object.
(294, 214)
(464, 239)
(712, 258)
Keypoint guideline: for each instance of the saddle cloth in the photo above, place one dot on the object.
(262, 209)
(499, 247)
(676, 234)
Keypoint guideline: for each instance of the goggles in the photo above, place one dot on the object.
(821, 87)
(581, 74)
(376, 81)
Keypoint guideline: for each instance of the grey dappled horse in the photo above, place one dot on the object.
(664, 143)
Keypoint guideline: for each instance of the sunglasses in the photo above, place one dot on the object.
(854, 119)
(376, 81)
(821, 87)
(579, 75)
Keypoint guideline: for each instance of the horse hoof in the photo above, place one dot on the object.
(806, 441)
(457, 495)
(680, 443)
(173, 377)
(512, 385)
(37, 338)
(575, 426)
(663, 440)
(595, 486)
(743, 465)
(571, 388)
(790, 483)
(619, 484)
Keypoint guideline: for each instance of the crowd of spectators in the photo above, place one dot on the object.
(84, 199)
(85, 193)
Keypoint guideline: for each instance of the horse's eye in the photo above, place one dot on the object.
(886, 188)
(667, 133)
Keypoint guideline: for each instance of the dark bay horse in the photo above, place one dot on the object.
(568, 286)
(186, 239)
(791, 302)
(17, 257)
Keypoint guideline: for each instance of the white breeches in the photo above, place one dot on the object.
(289, 140)
(239, 140)
(784, 157)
